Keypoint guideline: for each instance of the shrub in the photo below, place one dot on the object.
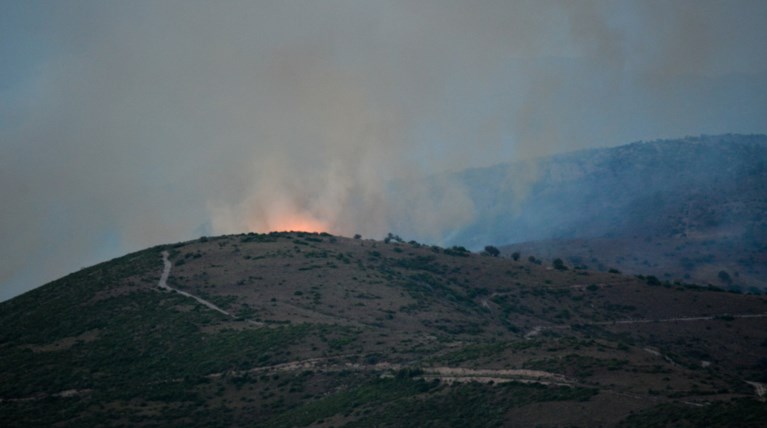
(457, 251)
(652, 280)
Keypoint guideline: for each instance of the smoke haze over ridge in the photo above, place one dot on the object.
(128, 124)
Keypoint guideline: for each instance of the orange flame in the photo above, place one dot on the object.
(292, 222)
(302, 223)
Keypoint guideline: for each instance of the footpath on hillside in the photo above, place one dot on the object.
(164, 285)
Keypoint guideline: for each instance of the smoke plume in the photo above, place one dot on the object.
(128, 124)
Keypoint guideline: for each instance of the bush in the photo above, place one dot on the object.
(492, 251)
(652, 280)
(457, 251)
(533, 260)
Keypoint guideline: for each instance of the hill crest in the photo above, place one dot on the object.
(313, 329)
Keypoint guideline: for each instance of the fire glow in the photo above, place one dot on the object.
(294, 222)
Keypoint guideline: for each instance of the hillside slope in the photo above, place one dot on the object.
(700, 203)
(296, 329)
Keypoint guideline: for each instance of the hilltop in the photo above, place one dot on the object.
(301, 329)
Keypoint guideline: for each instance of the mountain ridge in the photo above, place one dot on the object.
(700, 201)
(607, 182)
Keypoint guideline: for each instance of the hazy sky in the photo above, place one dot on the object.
(125, 124)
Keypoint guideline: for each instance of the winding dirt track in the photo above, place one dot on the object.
(760, 389)
(680, 319)
(539, 328)
(42, 396)
(444, 374)
(164, 285)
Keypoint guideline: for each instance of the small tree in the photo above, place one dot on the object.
(515, 255)
(492, 251)
(559, 264)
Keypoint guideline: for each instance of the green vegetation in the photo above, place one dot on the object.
(469, 405)
(406, 402)
(457, 251)
(378, 392)
(742, 413)
(144, 339)
(474, 352)
(426, 263)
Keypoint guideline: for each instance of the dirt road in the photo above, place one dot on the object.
(539, 328)
(164, 285)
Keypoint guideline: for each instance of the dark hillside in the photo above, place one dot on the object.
(297, 329)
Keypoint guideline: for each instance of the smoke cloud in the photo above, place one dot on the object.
(128, 124)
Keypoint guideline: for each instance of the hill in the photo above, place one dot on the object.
(682, 210)
(724, 262)
(299, 329)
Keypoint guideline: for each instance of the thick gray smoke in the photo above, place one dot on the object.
(127, 124)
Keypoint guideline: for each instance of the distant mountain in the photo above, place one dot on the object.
(685, 209)
(299, 329)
